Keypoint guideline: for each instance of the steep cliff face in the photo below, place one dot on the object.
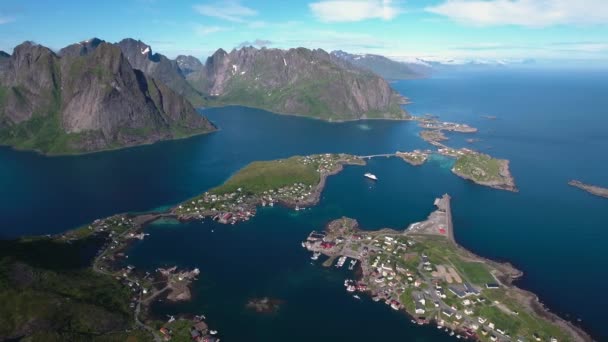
(159, 67)
(296, 81)
(85, 99)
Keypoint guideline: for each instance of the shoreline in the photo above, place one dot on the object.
(77, 154)
(503, 272)
(407, 117)
(592, 189)
(508, 184)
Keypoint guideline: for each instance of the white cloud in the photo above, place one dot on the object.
(354, 10)
(202, 30)
(228, 10)
(6, 19)
(530, 13)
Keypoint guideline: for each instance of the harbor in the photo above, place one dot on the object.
(422, 271)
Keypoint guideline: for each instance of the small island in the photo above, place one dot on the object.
(415, 157)
(264, 305)
(484, 170)
(423, 271)
(434, 137)
(592, 189)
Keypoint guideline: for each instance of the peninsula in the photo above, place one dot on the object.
(592, 189)
(295, 182)
(423, 271)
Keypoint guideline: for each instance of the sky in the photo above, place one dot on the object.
(559, 31)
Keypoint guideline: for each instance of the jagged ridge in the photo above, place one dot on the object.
(295, 81)
(86, 98)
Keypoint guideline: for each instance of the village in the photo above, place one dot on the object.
(295, 182)
(422, 271)
(171, 283)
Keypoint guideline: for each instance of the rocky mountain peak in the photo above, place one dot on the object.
(82, 48)
(188, 64)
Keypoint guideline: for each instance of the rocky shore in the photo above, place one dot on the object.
(592, 189)
(504, 181)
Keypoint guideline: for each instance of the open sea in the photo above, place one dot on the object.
(551, 125)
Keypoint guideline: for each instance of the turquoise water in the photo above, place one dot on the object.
(551, 127)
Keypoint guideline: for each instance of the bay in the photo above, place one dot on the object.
(550, 125)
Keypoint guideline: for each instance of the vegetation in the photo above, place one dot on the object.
(475, 272)
(49, 293)
(258, 177)
(480, 167)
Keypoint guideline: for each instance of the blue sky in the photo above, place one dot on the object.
(544, 30)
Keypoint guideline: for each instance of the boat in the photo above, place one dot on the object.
(303, 244)
(213, 332)
(352, 264)
(341, 261)
(370, 176)
(315, 255)
(356, 297)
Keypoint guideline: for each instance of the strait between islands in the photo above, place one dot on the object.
(425, 270)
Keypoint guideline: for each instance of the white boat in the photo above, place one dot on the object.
(315, 255)
(356, 296)
(303, 244)
(352, 264)
(213, 332)
(370, 176)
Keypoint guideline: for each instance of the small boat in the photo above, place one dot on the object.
(370, 176)
(213, 332)
(303, 244)
(315, 255)
(352, 264)
(356, 297)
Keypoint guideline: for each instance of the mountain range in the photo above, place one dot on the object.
(296, 81)
(94, 95)
(383, 66)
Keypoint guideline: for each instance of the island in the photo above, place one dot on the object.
(434, 137)
(484, 170)
(295, 182)
(264, 305)
(424, 272)
(415, 157)
(592, 189)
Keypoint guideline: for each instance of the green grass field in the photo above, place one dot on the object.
(475, 272)
(258, 177)
(480, 167)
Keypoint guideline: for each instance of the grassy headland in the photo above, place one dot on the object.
(485, 170)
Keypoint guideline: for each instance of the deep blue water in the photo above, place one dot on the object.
(552, 126)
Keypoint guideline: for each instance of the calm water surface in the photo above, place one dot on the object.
(551, 127)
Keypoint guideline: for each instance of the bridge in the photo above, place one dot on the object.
(387, 155)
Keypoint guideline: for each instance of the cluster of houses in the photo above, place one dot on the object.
(199, 331)
(446, 126)
(326, 163)
(455, 153)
